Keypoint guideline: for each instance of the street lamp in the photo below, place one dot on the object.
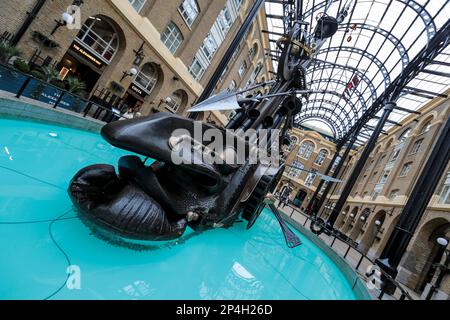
(132, 72)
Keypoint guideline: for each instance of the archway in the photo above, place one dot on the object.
(425, 253)
(359, 223)
(341, 218)
(373, 229)
(350, 219)
(300, 198)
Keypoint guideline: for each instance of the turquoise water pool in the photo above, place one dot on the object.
(40, 236)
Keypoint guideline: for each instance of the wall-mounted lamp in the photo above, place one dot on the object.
(352, 215)
(344, 213)
(378, 223)
(66, 19)
(442, 242)
(363, 218)
(131, 73)
(166, 100)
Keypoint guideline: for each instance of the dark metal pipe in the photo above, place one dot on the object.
(28, 21)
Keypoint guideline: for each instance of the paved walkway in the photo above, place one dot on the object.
(354, 258)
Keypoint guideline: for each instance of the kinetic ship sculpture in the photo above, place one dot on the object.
(158, 202)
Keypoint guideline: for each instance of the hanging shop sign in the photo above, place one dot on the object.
(80, 50)
(138, 91)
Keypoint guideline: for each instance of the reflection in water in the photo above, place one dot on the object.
(239, 283)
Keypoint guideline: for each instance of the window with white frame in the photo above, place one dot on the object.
(306, 150)
(147, 77)
(215, 37)
(395, 155)
(242, 69)
(296, 169)
(394, 194)
(426, 127)
(384, 176)
(405, 135)
(417, 146)
(321, 157)
(175, 101)
(336, 162)
(100, 37)
(375, 195)
(406, 169)
(232, 86)
(310, 178)
(189, 10)
(137, 4)
(172, 37)
(254, 74)
(445, 193)
(293, 142)
(197, 68)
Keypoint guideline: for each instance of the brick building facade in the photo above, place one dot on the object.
(172, 34)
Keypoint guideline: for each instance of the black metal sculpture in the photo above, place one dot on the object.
(159, 201)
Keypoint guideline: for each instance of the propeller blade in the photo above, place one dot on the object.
(291, 238)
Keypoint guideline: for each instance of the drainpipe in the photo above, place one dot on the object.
(28, 21)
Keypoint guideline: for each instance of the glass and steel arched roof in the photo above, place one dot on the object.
(373, 45)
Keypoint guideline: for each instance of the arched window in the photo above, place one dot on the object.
(321, 157)
(172, 37)
(310, 178)
(404, 136)
(253, 51)
(147, 77)
(255, 74)
(232, 86)
(176, 100)
(306, 150)
(426, 127)
(242, 69)
(189, 10)
(100, 37)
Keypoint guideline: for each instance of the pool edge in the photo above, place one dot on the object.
(359, 288)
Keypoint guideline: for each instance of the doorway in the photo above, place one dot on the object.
(301, 196)
(74, 66)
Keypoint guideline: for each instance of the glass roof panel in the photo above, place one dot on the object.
(374, 43)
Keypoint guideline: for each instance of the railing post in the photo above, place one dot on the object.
(87, 108)
(348, 250)
(332, 243)
(359, 262)
(59, 99)
(23, 87)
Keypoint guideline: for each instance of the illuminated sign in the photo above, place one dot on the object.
(85, 54)
(138, 91)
